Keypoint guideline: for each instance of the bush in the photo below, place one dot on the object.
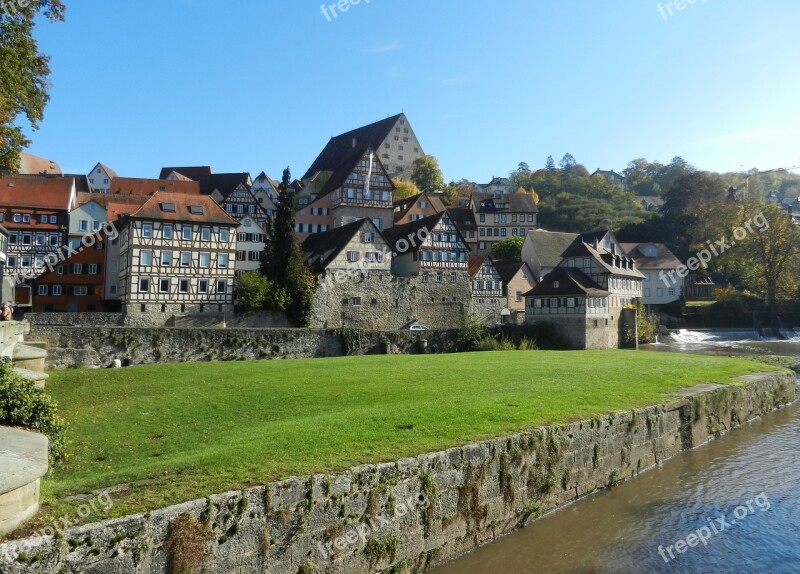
(254, 291)
(646, 323)
(472, 332)
(24, 405)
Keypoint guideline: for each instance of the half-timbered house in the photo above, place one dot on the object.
(251, 239)
(177, 255)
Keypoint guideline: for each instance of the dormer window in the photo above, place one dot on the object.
(556, 284)
(196, 209)
(168, 207)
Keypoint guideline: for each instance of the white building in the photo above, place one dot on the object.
(655, 261)
(250, 241)
(100, 178)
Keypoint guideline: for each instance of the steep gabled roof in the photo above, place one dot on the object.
(550, 246)
(369, 136)
(348, 165)
(110, 172)
(403, 232)
(516, 203)
(145, 187)
(463, 218)
(322, 248)
(225, 183)
(32, 192)
(567, 281)
(475, 263)
(508, 269)
(192, 172)
(211, 212)
(403, 206)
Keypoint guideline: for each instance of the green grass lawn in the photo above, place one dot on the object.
(196, 429)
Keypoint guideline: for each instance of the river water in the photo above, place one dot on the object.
(732, 505)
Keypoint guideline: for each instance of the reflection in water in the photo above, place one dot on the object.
(620, 531)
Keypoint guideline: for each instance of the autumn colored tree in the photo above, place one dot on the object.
(427, 176)
(404, 189)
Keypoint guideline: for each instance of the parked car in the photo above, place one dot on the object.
(417, 327)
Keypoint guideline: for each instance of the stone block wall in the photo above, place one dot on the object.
(98, 346)
(415, 513)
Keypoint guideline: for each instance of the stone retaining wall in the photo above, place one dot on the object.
(409, 515)
(97, 346)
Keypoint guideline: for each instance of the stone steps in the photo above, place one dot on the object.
(23, 459)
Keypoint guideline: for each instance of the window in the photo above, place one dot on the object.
(196, 209)
(147, 230)
(356, 301)
(571, 302)
(368, 237)
(453, 277)
(92, 268)
(83, 225)
(660, 292)
(553, 303)
(42, 290)
(166, 231)
(186, 232)
(26, 218)
(57, 290)
(439, 277)
(647, 291)
(671, 291)
(352, 256)
(186, 259)
(77, 268)
(95, 225)
(54, 240)
(224, 234)
(222, 260)
(587, 262)
(144, 285)
(163, 285)
(80, 291)
(205, 260)
(166, 258)
(168, 207)
(205, 234)
(42, 219)
(423, 205)
(17, 218)
(53, 219)
(113, 266)
(202, 286)
(183, 286)
(146, 257)
(222, 286)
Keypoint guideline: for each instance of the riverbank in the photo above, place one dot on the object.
(473, 493)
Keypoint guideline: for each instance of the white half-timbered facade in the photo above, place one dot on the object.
(177, 255)
(251, 239)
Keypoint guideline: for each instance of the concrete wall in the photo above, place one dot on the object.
(415, 513)
(98, 346)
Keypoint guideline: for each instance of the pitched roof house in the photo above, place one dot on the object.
(655, 261)
(193, 173)
(429, 247)
(393, 139)
(100, 178)
(416, 207)
(501, 217)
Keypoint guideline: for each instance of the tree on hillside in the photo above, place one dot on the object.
(404, 189)
(455, 191)
(509, 249)
(771, 253)
(550, 163)
(283, 262)
(427, 176)
(24, 74)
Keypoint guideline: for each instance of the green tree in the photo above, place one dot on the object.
(254, 291)
(509, 249)
(404, 189)
(283, 262)
(427, 176)
(24, 74)
(771, 253)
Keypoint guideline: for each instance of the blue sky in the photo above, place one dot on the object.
(251, 85)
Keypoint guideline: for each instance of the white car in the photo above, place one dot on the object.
(417, 327)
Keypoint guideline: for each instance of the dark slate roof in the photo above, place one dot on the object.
(194, 173)
(663, 259)
(507, 269)
(463, 218)
(603, 257)
(571, 281)
(517, 203)
(341, 146)
(226, 183)
(345, 167)
(322, 248)
(394, 234)
(550, 246)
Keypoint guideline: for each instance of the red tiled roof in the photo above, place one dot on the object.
(32, 193)
(144, 187)
(211, 211)
(35, 165)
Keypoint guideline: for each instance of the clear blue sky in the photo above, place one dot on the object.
(251, 85)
